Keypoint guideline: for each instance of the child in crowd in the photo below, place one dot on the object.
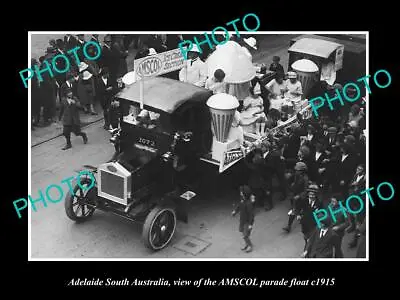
(246, 209)
(216, 83)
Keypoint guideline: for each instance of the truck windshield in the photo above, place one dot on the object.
(146, 118)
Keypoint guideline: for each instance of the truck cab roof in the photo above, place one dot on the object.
(164, 94)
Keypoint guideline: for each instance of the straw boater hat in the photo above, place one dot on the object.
(194, 49)
(312, 188)
(87, 75)
(292, 74)
(152, 51)
(83, 66)
(252, 42)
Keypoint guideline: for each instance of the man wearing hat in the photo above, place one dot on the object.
(106, 58)
(106, 89)
(276, 66)
(323, 243)
(299, 190)
(195, 71)
(319, 169)
(69, 113)
(306, 208)
(345, 168)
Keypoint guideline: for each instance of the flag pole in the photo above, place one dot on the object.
(141, 95)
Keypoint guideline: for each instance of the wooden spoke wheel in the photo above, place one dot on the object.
(159, 227)
(76, 206)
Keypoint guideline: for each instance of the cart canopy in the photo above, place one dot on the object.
(165, 94)
(315, 47)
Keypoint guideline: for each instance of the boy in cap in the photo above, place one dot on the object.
(195, 71)
(71, 123)
(246, 209)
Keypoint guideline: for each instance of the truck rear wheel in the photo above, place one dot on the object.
(159, 227)
(75, 205)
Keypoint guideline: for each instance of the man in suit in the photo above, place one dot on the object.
(106, 59)
(357, 184)
(71, 123)
(323, 242)
(70, 42)
(60, 64)
(299, 190)
(345, 167)
(36, 97)
(119, 56)
(362, 247)
(106, 89)
(257, 182)
(81, 43)
(319, 168)
(341, 223)
(48, 93)
(306, 207)
(274, 165)
(333, 154)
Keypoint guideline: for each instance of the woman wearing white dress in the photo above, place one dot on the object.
(253, 116)
(294, 91)
(277, 88)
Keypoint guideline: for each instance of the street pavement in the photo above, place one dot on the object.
(53, 235)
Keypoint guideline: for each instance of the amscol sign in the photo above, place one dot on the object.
(159, 64)
(230, 158)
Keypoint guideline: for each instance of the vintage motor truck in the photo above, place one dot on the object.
(158, 150)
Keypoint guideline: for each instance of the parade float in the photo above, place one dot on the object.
(168, 129)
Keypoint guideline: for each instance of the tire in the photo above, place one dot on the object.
(160, 223)
(75, 200)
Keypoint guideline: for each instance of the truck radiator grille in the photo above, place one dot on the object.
(112, 184)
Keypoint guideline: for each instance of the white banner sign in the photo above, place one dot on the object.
(229, 159)
(159, 64)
